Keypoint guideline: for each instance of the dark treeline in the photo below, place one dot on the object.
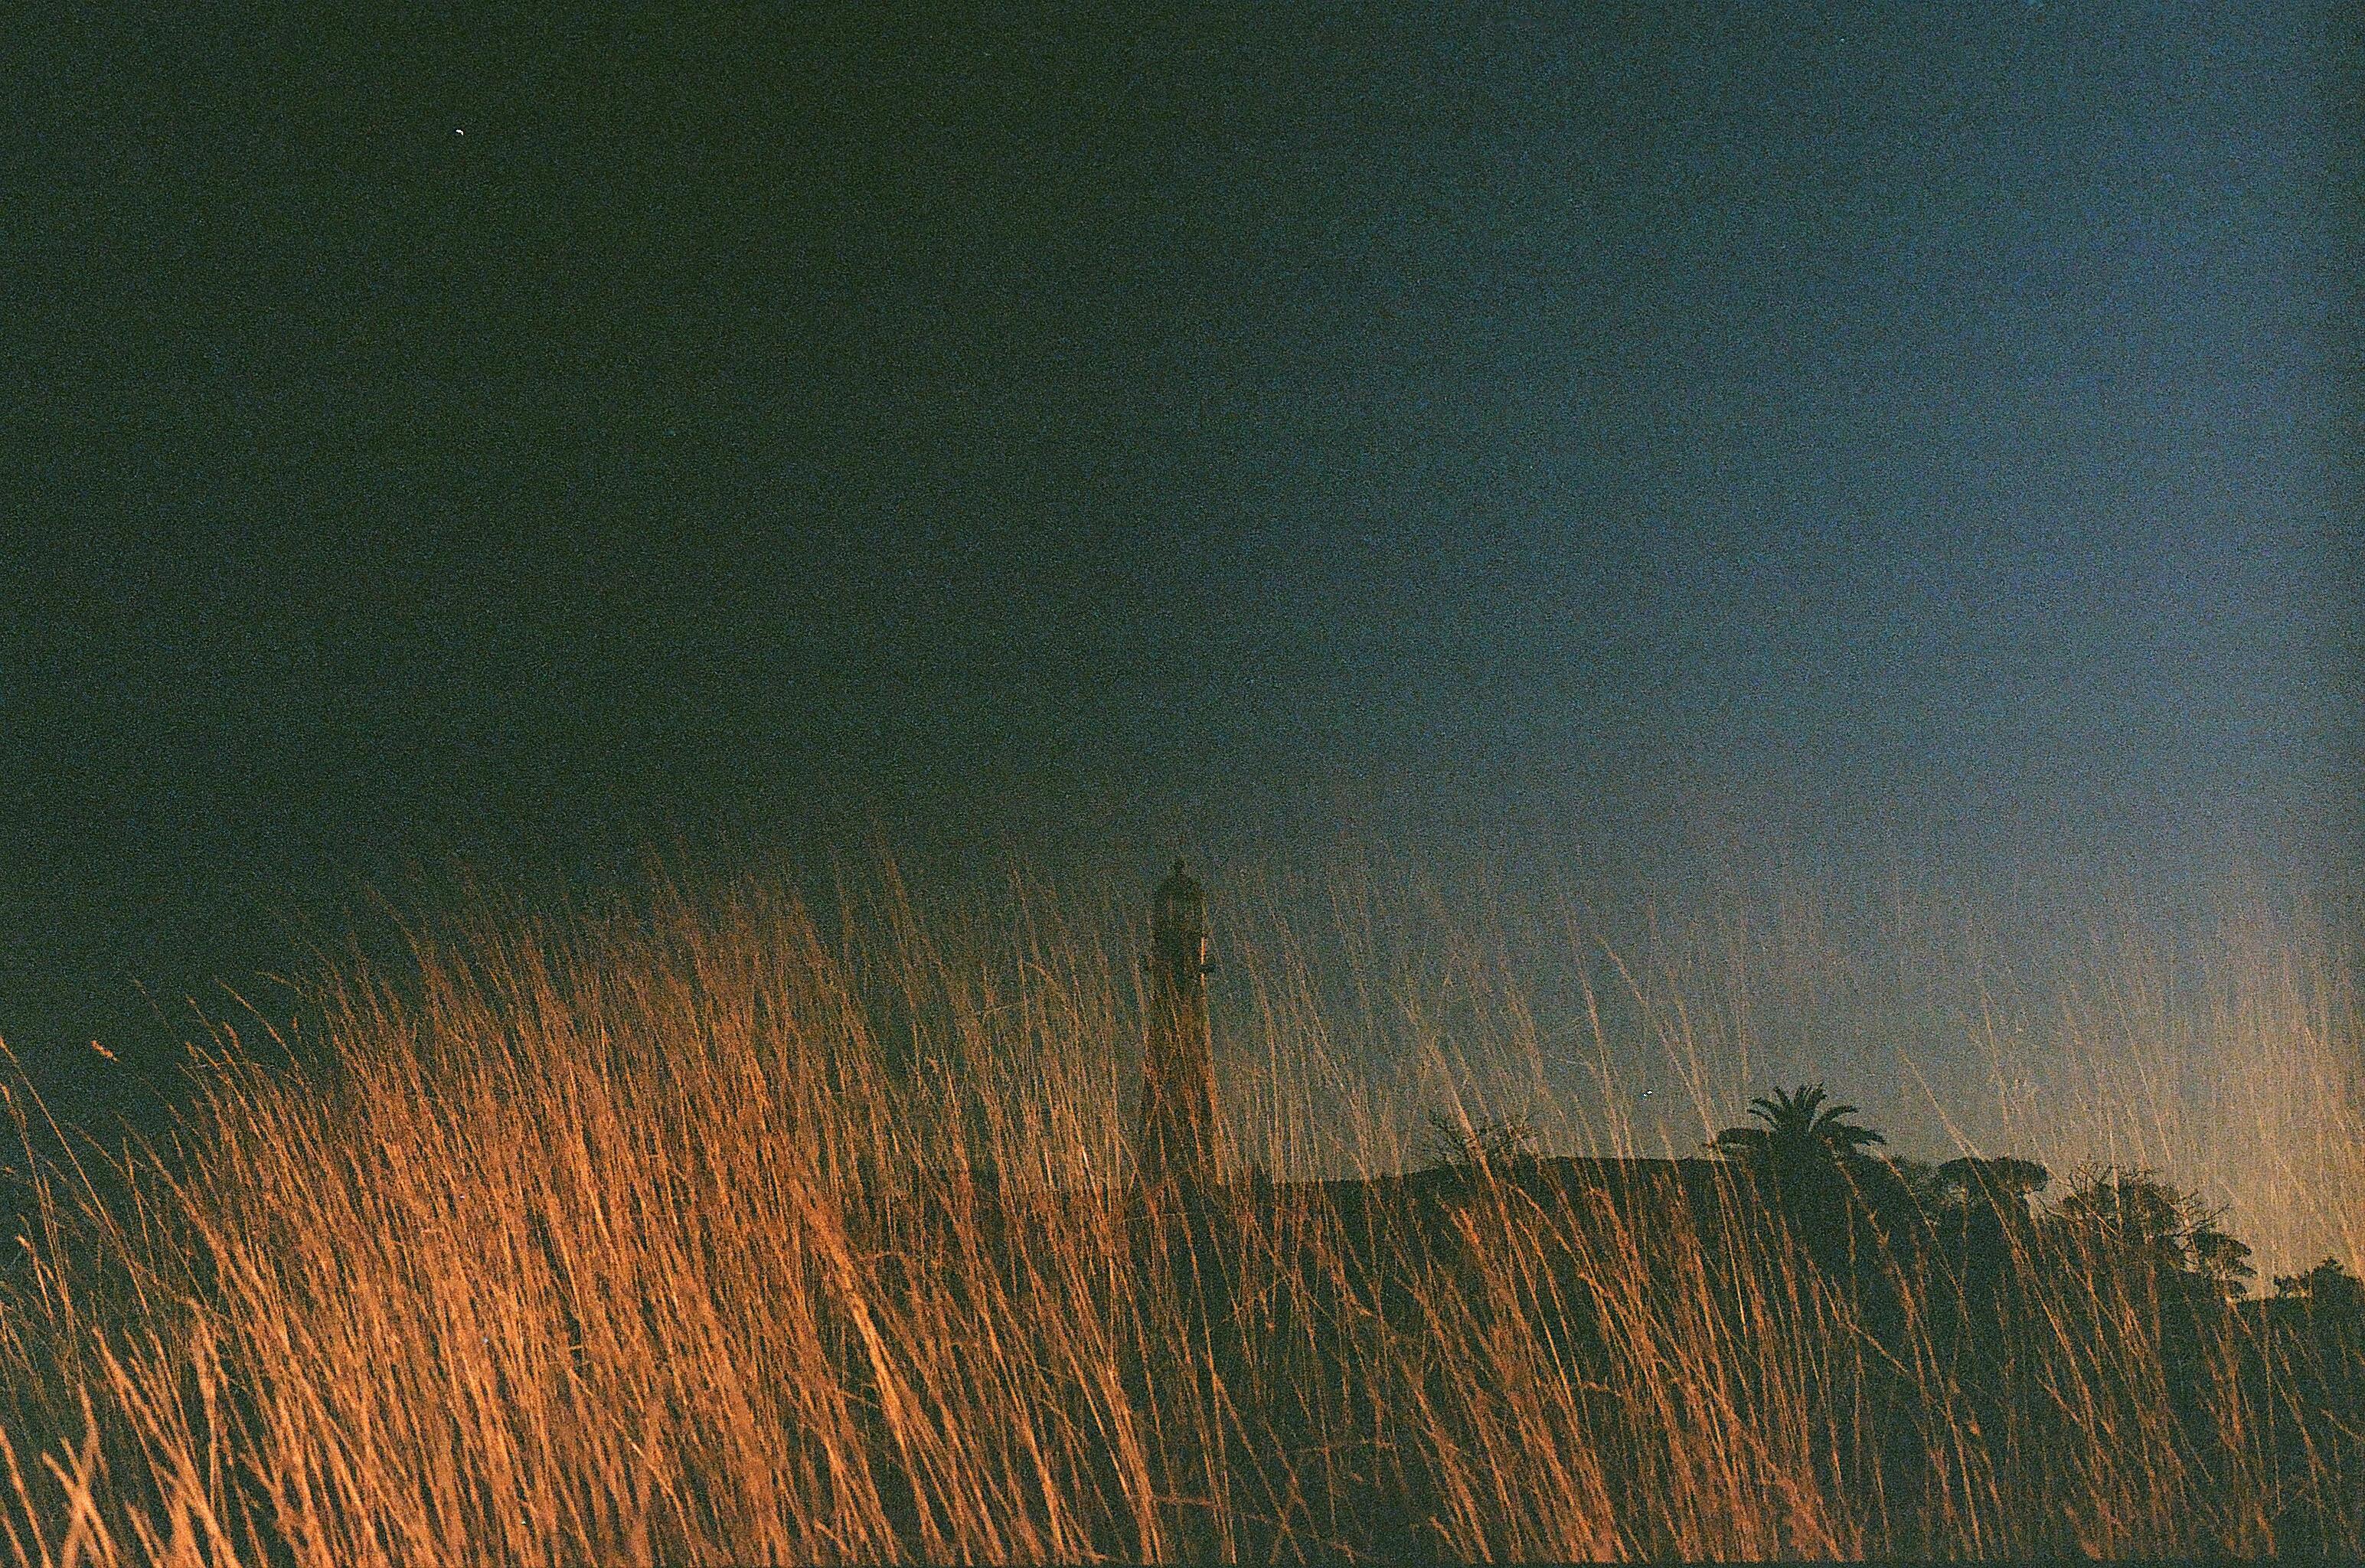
(1954, 1363)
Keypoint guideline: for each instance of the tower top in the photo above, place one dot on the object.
(1180, 903)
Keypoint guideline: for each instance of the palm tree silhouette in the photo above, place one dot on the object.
(1807, 1162)
(1799, 1130)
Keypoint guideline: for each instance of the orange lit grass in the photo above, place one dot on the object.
(699, 1232)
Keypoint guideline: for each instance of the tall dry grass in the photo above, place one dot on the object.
(705, 1228)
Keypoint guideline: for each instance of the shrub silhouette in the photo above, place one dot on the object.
(1491, 1143)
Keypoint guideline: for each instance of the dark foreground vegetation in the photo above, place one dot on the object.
(637, 1243)
(1790, 1327)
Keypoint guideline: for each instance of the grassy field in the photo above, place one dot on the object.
(706, 1230)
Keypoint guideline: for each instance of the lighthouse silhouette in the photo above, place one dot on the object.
(1175, 1134)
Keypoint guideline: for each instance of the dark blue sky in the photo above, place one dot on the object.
(1885, 426)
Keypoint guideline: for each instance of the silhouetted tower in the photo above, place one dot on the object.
(1176, 1136)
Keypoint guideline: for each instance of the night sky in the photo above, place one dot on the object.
(1902, 427)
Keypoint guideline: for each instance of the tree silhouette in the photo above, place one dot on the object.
(2139, 1219)
(1997, 1186)
(1806, 1159)
(2007, 1177)
(2220, 1260)
(2327, 1288)
(1800, 1130)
